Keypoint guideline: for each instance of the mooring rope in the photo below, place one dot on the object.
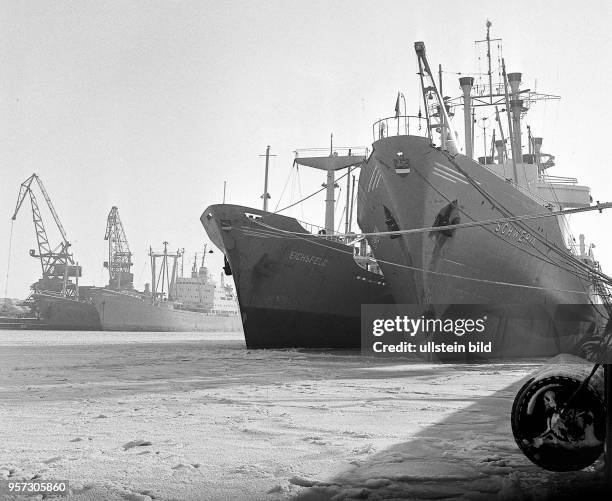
(303, 236)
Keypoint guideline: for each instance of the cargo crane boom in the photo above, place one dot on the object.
(57, 264)
(119, 256)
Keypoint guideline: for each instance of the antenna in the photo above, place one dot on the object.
(266, 195)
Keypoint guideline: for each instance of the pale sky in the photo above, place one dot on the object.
(151, 105)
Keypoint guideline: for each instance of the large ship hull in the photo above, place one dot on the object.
(119, 311)
(109, 310)
(522, 268)
(294, 290)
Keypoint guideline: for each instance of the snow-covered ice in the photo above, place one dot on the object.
(137, 416)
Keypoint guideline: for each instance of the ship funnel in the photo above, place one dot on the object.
(517, 108)
(500, 147)
(466, 84)
(582, 246)
(514, 79)
(537, 148)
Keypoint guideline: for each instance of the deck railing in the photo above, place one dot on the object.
(559, 179)
(402, 125)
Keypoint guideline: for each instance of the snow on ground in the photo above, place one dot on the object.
(138, 416)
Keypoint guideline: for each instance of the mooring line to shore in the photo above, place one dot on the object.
(599, 207)
(301, 236)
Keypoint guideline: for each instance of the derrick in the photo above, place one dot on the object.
(56, 262)
(119, 256)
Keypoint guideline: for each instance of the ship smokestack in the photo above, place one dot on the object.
(466, 84)
(517, 107)
(537, 149)
(582, 246)
(499, 146)
(514, 79)
(516, 104)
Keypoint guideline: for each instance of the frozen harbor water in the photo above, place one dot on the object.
(136, 416)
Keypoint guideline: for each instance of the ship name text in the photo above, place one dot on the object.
(307, 258)
(509, 231)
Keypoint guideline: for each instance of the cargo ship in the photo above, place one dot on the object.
(171, 303)
(448, 229)
(58, 302)
(294, 289)
(299, 284)
(131, 311)
(50, 310)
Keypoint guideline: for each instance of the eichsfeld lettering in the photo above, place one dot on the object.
(307, 258)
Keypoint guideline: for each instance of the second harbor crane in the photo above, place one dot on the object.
(119, 256)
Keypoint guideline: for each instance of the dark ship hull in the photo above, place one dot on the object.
(54, 312)
(294, 290)
(522, 270)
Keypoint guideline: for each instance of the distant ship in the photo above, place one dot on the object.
(50, 310)
(126, 311)
(528, 272)
(59, 303)
(172, 303)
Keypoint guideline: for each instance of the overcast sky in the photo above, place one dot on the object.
(151, 105)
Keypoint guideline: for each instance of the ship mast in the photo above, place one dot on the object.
(329, 196)
(338, 158)
(266, 196)
(505, 94)
(489, 58)
(165, 278)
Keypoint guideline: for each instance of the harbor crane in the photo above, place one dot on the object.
(119, 256)
(57, 264)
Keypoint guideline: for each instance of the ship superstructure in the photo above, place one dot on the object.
(225, 301)
(170, 303)
(196, 292)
